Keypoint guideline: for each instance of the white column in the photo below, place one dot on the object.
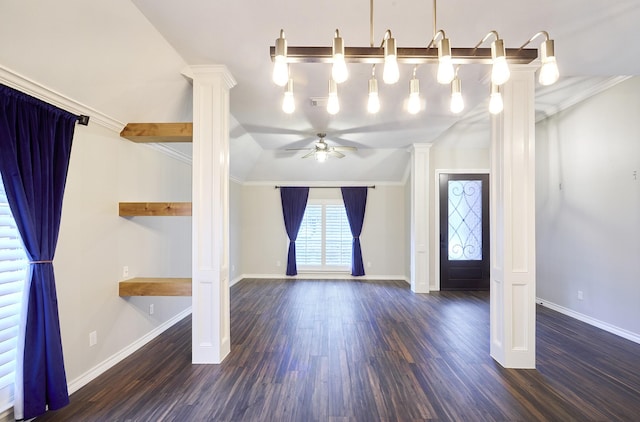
(210, 220)
(420, 218)
(513, 246)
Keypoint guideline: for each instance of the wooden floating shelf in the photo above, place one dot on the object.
(142, 286)
(158, 132)
(154, 209)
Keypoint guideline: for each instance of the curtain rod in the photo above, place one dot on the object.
(325, 187)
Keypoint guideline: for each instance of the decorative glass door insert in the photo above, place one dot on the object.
(465, 220)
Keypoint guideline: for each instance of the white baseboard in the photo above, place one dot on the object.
(235, 280)
(325, 276)
(634, 337)
(99, 369)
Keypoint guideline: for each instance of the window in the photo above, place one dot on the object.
(13, 269)
(324, 240)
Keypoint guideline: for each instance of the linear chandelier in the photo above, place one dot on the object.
(438, 51)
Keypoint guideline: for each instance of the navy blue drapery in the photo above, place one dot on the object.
(35, 145)
(355, 202)
(294, 202)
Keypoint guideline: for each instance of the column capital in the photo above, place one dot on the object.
(210, 71)
(419, 147)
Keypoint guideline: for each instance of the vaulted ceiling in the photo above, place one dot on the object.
(595, 43)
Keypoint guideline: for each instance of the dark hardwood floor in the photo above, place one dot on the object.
(327, 350)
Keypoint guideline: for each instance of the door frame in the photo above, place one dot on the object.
(436, 214)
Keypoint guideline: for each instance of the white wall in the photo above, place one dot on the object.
(95, 243)
(235, 232)
(106, 59)
(264, 239)
(588, 208)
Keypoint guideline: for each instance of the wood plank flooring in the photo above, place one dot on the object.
(341, 350)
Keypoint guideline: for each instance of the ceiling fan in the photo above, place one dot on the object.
(321, 150)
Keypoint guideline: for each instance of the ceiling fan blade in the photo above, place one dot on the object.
(336, 154)
(309, 154)
(344, 148)
(296, 149)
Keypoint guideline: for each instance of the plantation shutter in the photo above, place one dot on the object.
(338, 236)
(324, 240)
(13, 269)
(309, 241)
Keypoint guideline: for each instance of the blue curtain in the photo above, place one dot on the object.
(355, 202)
(35, 140)
(294, 202)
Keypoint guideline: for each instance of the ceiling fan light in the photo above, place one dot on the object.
(549, 73)
(445, 64)
(391, 72)
(495, 100)
(280, 68)
(373, 103)
(339, 70)
(457, 102)
(333, 104)
(288, 102)
(321, 156)
(500, 70)
(413, 105)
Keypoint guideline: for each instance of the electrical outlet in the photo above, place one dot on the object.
(277, 263)
(93, 338)
(580, 295)
(125, 271)
(151, 309)
(368, 264)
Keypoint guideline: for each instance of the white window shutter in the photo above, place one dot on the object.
(324, 240)
(13, 270)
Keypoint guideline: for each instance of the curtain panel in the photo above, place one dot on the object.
(355, 202)
(294, 202)
(35, 145)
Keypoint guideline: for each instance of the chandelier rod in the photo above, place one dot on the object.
(371, 22)
(435, 28)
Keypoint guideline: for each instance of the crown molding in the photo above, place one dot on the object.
(581, 95)
(41, 92)
(177, 155)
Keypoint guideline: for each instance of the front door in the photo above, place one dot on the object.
(464, 232)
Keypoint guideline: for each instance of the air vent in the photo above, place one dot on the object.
(318, 101)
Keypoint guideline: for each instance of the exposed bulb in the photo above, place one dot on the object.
(500, 71)
(413, 105)
(280, 71)
(339, 71)
(457, 102)
(549, 73)
(373, 104)
(288, 103)
(445, 70)
(495, 103)
(391, 72)
(333, 105)
(445, 64)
